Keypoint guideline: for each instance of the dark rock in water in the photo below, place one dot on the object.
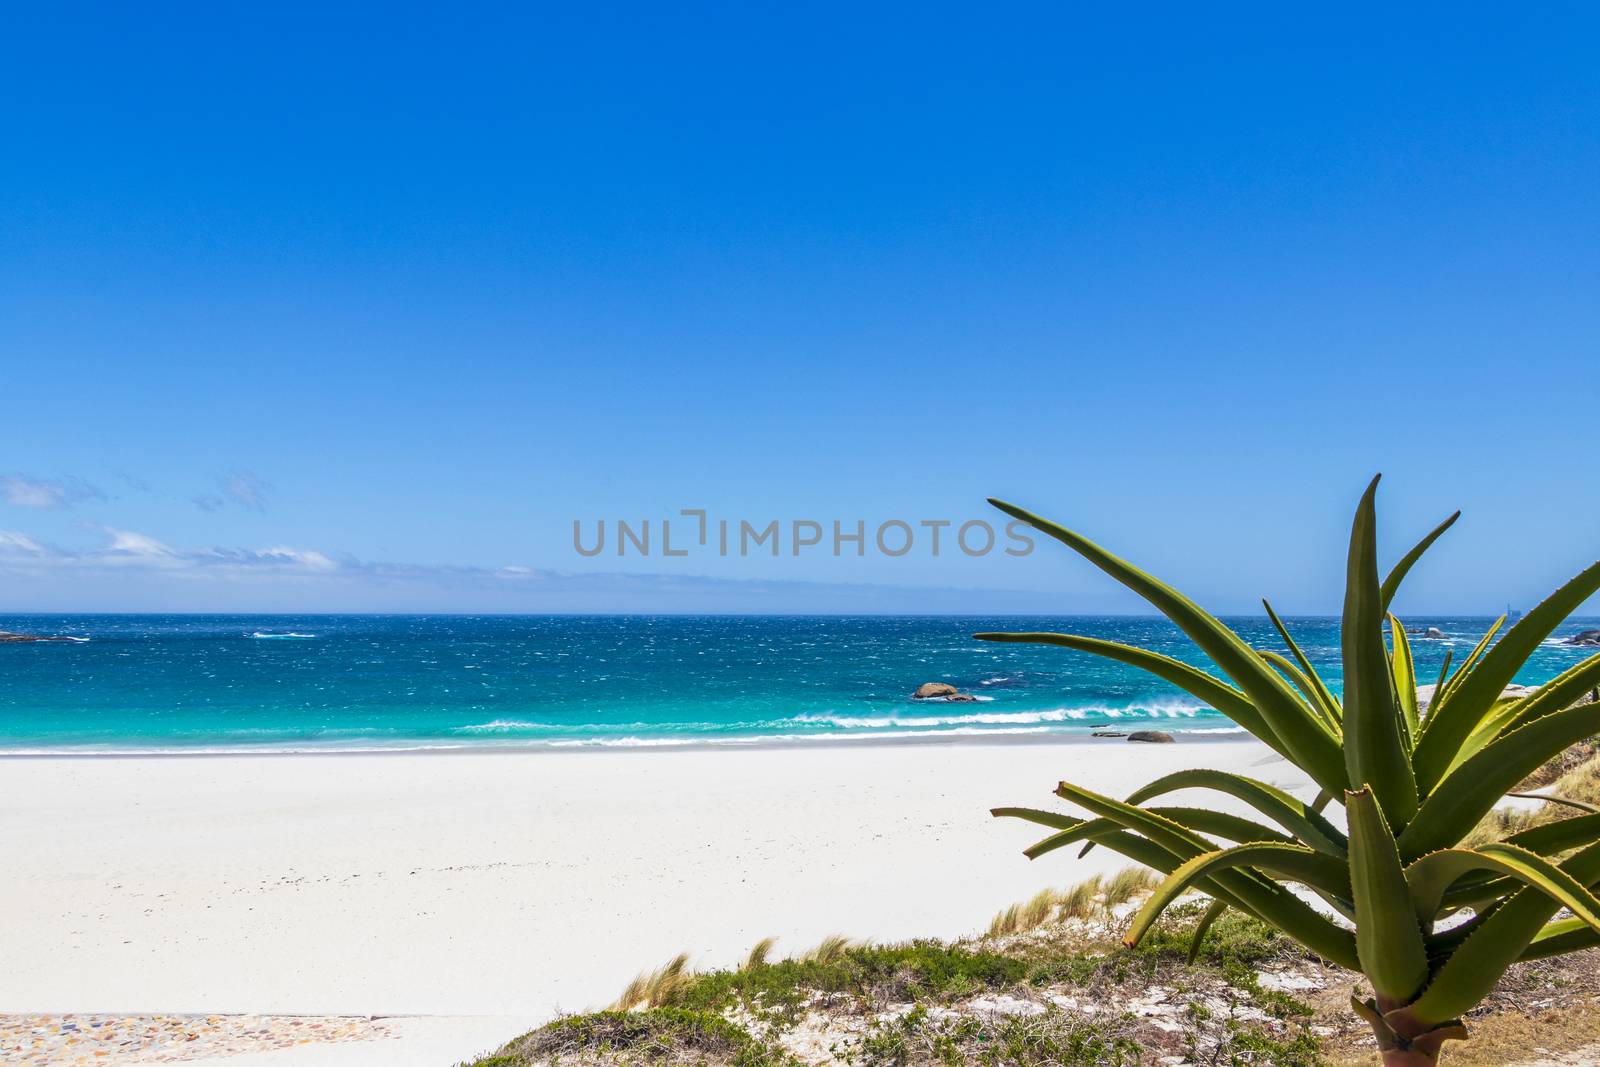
(1587, 638)
(1099, 725)
(11, 638)
(1107, 733)
(1152, 737)
(961, 698)
(1433, 633)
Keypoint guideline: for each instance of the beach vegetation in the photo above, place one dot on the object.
(658, 1037)
(1406, 891)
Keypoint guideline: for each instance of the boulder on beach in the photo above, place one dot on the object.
(1152, 737)
(931, 690)
(1107, 733)
(1587, 638)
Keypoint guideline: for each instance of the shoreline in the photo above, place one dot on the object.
(1203, 736)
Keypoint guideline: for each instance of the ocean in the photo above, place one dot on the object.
(238, 683)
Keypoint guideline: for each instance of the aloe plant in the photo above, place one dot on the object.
(1431, 924)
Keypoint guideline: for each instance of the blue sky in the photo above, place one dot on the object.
(312, 308)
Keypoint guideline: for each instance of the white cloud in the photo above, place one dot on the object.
(22, 491)
(299, 557)
(12, 543)
(126, 542)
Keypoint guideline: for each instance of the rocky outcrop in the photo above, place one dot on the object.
(1152, 737)
(942, 691)
(1433, 633)
(1587, 639)
(6, 637)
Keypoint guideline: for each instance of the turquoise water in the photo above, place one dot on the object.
(231, 682)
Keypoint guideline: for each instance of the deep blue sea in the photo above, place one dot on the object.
(261, 683)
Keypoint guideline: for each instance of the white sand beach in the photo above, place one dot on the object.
(479, 894)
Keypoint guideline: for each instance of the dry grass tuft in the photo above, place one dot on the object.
(1082, 900)
(654, 988)
(1128, 883)
(759, 953)
(1092, 898)
(829, 950)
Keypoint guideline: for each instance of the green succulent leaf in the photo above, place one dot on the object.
(1293, 862)
(1457, 803)
(1388, 936)
(1494, 942)
(1200, 820)
(1053, 819)
(1213, 692)
(1304, 684)
(1469, 700)
(1201, 928)
(1559, 938)
(1294, 815)
(1250, 892)
(1304, 735)
(1330, 703)
(1374, 753)
(1553, 837)
(1431, 875)
(1404, 671)
(1391, 584)
(1558, 693)
(1448, 681)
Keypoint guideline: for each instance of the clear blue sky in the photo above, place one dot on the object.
(312, 307)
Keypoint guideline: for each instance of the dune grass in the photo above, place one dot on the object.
(907, 1005)
(1094, 898)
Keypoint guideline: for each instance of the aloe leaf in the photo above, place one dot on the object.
(1558, 693)
(1388, 938)
(1456, 804)
(1294, 815)
(1308, 740)
(1330, 703)
(1201, 928)
(1549, 839)
(1432, 874)
(1447, 682)
(1374, 754)
(1053, 819)
(1404, 670)
(1560, 836)
(1200, 820)
(1261, 897)
(1559, 938)
(1465, 666)
(1438, 686)
(1493, 943)
(1213, 692)
(1307, 688)
(1294, 862)
(1391, 584)
(1468, 701)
